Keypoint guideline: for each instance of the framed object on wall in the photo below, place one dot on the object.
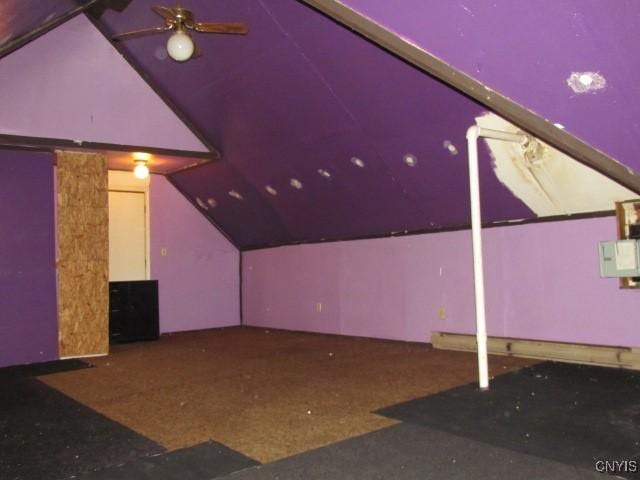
(628, 215)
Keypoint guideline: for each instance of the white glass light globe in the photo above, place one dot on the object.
(141, 170)
(180, 46)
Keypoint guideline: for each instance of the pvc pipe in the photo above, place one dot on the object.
(473, 133)
(499, 135)
(478, 271)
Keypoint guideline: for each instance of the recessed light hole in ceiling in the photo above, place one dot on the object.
(358, 162)
(450, 147)
(410, 160)
(201, 204)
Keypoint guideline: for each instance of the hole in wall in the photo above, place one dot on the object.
(295, 183)
(236, 195)
(584, 82)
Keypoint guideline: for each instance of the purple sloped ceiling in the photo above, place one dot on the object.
(302, 93)
(527, 50)
(72, 84)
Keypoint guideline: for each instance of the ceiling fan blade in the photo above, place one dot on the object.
(229, 28)
(165, 12)
(141, 32)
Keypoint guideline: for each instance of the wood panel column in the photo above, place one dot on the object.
(82, 253)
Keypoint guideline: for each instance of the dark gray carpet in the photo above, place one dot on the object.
(573, 414)
(411, 452)
(45, 435)
(201, 462)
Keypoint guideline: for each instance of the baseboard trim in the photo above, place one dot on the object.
(621, 357)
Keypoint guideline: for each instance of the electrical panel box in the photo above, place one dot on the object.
(620, 258)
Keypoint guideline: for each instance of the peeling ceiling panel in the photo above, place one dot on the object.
(573, 62)
(300, 94)
(549, 182)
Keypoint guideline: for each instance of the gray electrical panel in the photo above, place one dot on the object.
(620, 258)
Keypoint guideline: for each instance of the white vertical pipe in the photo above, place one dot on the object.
(478, 271)
(473, 133)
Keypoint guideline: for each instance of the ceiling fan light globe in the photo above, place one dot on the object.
(180, 47)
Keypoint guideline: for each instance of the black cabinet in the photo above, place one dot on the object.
(133, 311)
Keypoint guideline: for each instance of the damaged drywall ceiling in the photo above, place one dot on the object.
(546, 180)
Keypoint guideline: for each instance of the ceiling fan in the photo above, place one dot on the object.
(180, 46)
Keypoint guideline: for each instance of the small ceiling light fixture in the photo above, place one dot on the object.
(295, 183)
(324, 173)
(212, 203)
(180, 47)
(236, 195)
(141, 170)
(271, 190)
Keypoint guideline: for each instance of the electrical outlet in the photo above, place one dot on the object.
(442, 313)
(163, 251)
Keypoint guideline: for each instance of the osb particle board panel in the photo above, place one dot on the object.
(83, 253)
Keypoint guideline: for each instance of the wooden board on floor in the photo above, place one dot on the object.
(82, 257)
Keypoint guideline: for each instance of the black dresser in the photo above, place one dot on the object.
(133, 311)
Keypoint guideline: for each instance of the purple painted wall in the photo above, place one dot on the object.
(199, 279)
(28, 310)
(542, 283)
(72, 84)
